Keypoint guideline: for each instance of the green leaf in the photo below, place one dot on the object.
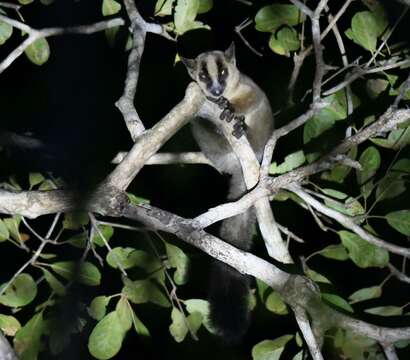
(27, 341)
(86, 273)
(35, 179)
(124, 313)
(205, 6)
(396, 140)
(337, 301)
(318, 124)
(5, 32)
(178, 328)
(400, 221)
(75, 220)
(275, 304)
(38, 52)
(110, 7)
(356, 347)
(98, 307)
(375, 87)
(366, 27)
(139, 326)
(79, 240)
(284, 41)
(136, 291)
(401, 344)
(392, 184)
(202, 307)
(370, 162)
(185, 14)
(164, 7)
(315, 276)
(385, 311)
(271, 17)
(340, 172)
(194, 321)
(54, 283)
(21, 291)
(362, 253)
(9, 325)
(197, 305)
(364, 294)
(128, 257)
(335, 252)
(335, 194)
(106, 338)
(141, 291)
(270, 349)
(326, 117)
(106, 230)
(351, 206)
(4, 232)
(292, 161)
(137, 200)
(13, 224)
(262, 287)
(178, 259)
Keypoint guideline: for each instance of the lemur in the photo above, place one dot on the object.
(244, 102)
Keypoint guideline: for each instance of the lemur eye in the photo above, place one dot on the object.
(223, 72)
(202, 76)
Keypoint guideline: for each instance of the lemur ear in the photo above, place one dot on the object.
(230, 53)
(190, 64)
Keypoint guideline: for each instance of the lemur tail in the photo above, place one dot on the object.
(229, 289)
(228, 297)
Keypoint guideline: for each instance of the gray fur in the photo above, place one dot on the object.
(216, 74)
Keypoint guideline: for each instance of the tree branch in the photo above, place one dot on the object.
(34, 34)
(6, 351)
(348, 222)
(139, 29)
(151, 140)
(170, 158)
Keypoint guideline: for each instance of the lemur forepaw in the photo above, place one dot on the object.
(222, 102)
(239, 127)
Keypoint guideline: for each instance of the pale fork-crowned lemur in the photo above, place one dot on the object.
(244, 103)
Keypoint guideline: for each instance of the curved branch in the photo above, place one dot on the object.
(348, 222)
(151, 140)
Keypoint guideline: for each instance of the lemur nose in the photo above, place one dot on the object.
(216, 92)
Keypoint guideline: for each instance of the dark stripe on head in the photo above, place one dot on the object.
(222, 71)
(204, 74)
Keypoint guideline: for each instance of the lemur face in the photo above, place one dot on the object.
(214, 71)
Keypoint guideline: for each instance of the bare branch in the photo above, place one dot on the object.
(151, 140)
(348, 222)
(170, 158)
(139, 29)
(296, 290)
(32, 204)
(238, 30)
(47, 32)
(390, 352)
(250, 169)
(6, 351)
(398, 274)
(305, 328)
(359, 72)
